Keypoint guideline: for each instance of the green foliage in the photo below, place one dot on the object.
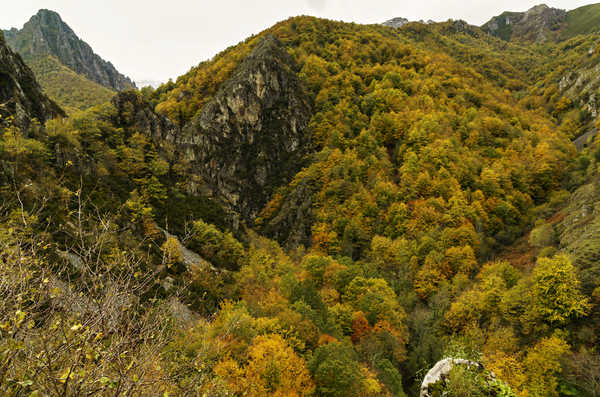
(221, 249)
(335, 370)
(542, 236)
(466, 381)
(391, 377)
(556, 290)
(72, 91)
(435, 147)
(581, 21)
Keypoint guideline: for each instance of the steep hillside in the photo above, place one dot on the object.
(21, 97)
(45, 34)
(72, 91)
(325, 209)
(582, 20)
(252, 136)
(539, 24)
(545, 24)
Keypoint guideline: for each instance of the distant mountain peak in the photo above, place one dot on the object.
(400, 22)
(48, 14)
(396, 22)
(47, 34)
(538, 8)
(538, 24)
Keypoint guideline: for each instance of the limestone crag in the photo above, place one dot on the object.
(21, 97)
(441, 370)
(396, 22)
(539, 24)
(252, 136)
(46, 34)
(291, 224)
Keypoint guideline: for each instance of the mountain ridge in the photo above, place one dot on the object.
(47, 34)
(542, 23)
(325, 209)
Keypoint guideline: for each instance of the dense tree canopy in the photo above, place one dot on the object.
(441, 160)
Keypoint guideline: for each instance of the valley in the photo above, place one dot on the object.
(325, 209)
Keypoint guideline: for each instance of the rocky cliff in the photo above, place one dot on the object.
(539, 24)
(21, 97)
(248, 140)
(46, 34)
(252, 136)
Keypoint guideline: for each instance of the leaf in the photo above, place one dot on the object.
(25, 383)
(66, 375)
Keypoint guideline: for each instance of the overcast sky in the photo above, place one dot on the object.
(162, 39)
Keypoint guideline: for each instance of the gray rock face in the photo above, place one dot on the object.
(47, 34)
(396, 22)
(251, 138)
(291, 224)
(21, 97)
(189, 258)
(581, 85)
(248, 140)
(538, 24)
(441, 370)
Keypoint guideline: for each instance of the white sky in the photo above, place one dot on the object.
(162, 39)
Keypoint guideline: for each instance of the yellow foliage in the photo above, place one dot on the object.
(273, 369)
(542, 366)
(172, 252)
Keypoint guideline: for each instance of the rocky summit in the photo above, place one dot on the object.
(47, 34)
(540, 23)
(396, 22)
(252, 136)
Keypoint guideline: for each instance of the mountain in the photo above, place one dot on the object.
(539, 24)
(396, 22)
(582, 20)
(71, 90)
(324, 209)
(252, 136)
(46, 34)
(21, 97)
(61, 59)
(542, 23)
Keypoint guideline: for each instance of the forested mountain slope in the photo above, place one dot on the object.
(324, 209)
(66, 67)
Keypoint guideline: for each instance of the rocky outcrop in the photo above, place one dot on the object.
(248, 140)
(252, 136)
(441, 370)
(46, 34)
(189, 258)
(539, 24)
(396, 22)
(291, 223)
(21, 97)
